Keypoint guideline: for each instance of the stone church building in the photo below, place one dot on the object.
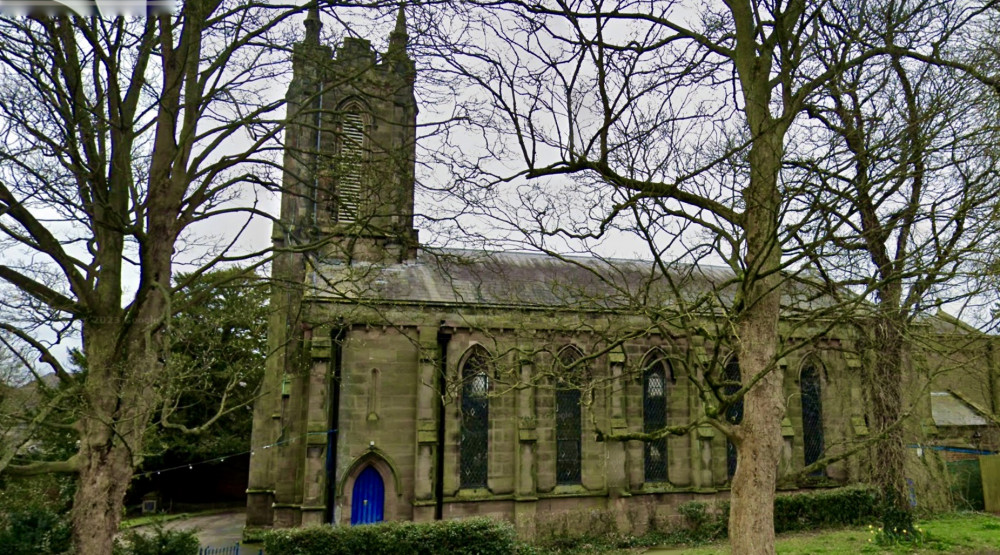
(408, 383)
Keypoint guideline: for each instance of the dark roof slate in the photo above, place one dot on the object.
(536, 280)
(516, 279)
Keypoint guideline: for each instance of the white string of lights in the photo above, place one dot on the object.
(251, 452)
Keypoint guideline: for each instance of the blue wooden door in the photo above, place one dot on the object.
(368, 498)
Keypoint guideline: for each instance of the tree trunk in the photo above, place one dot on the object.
(883, 386)
(759, 445)
(758, 438)
(104, 477)
(120, 399)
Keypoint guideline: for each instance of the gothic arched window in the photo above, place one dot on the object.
(352, 146)
(734, 414)
(654, 418)
(474, 440)
(812, 414)
(568, 416)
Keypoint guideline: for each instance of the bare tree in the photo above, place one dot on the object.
(122, 140)
(17, 391)
(905, 166)
(672, 123)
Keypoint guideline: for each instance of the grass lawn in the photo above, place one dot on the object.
(952, 533)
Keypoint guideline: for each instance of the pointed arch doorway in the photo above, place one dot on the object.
(368, 497)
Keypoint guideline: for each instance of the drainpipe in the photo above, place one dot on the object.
(336, 358)
(991, 372)
(443, 338)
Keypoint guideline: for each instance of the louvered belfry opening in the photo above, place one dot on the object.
(568, 417)
(474, 441)
(812, 415)
(654, 419)
(734, 414)
(353, 128)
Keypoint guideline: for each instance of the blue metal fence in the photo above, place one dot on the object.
(228, 550)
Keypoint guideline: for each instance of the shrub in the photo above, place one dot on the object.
(254, 534)
(160, 542)
(34, 530)
(474, 536)
(849, 506)
(702, 525)
(841, 507)
(34, 515)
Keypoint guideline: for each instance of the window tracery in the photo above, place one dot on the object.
(812, 414)
(654, 418)
(474, 439)
(568, 418)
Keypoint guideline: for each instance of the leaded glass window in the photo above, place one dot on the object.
(474, 441)
(734, 413)
(568, 417)
(654, 418)
(812, 415)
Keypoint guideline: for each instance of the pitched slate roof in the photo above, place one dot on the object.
(516, 279)
(948, 410)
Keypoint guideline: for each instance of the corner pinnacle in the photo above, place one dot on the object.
(312, 25)
(398, 37)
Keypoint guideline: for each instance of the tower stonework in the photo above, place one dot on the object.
(351, 148)
(347, 197)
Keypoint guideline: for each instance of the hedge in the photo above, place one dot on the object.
(847, 506)
(473, 536)
(824, 509)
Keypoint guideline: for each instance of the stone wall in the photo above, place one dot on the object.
(381, 402)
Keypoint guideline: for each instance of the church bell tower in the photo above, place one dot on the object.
(347, 197)
(351, 148)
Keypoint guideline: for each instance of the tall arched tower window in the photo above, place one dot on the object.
(352, 148)
(734, 414)
(654, 418)
(474, 440)
(568, 416)
(812, 414)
